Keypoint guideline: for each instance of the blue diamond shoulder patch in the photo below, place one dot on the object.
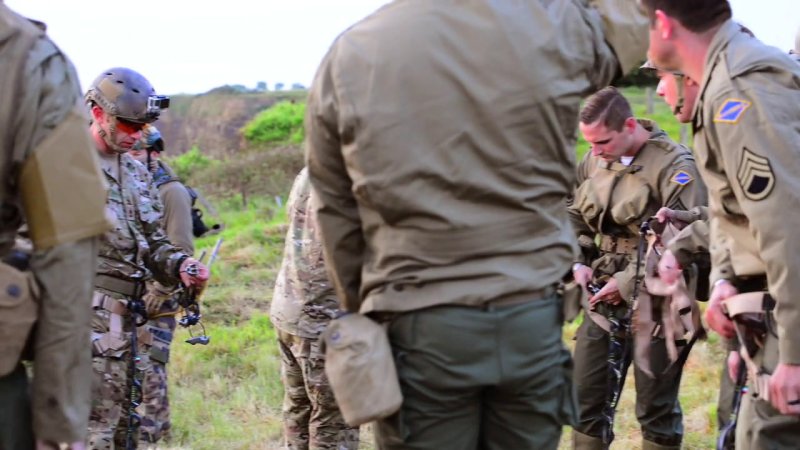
(731, 110)
(682, 177)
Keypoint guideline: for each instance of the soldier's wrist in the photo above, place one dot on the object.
(180, 261)
(721, 281)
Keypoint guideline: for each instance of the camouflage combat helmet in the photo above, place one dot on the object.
(125, 95)
(151, 138)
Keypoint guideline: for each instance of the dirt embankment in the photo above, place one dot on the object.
(213, 121)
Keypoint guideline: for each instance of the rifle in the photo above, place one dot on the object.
(619, 345)
(727, 437)
(188, 300)
(138, 317)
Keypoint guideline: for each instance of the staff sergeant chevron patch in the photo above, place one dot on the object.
(731, 111)
(755, 176)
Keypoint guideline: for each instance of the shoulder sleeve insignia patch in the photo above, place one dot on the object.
(755, 176)
(682, 177)
(731, 111)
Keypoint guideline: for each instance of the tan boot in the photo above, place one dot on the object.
(582, 441)
(649, 445)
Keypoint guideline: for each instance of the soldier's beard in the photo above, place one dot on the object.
(110, 138)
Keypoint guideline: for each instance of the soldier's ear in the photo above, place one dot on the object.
(664, 24)
(630, 124)
(98, 115)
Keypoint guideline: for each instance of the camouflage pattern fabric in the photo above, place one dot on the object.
(108, 420)
(311, 417)
(136, 247)
(304, 301)
(155, 402)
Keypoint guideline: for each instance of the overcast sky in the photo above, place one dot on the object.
(189, 46)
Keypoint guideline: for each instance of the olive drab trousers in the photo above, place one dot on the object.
(759, 425)
(494, 377)
(657, 407)
(16, 430)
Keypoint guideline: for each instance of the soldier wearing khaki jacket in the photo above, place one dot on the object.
(746, 124)
(121, 102)
(691, 245)
(42, 125)
(303, 305)
(632, 171)
(441, 145)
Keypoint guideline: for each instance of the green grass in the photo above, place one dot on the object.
(228, 394)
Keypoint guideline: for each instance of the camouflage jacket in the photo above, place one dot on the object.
(136, 247)
(304, 300)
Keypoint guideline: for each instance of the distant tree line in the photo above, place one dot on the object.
(261, 86)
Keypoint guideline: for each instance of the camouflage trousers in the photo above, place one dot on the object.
(155, 401)
(108, 420)
(311, 417)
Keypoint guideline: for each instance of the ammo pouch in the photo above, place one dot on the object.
(159, 343)
(18, 311)
(360, 367)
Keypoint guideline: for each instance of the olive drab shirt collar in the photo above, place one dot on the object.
(618, 165)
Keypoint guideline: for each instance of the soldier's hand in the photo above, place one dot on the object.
(668, 268)
(608, 293)
(193, 273)
(784, 389)
(665, 215)
(715, 316)
(733, 361)
(582, 274)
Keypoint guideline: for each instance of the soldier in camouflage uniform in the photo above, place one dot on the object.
(302, 306)
(121, 103)
(42, 126)
(156, 336)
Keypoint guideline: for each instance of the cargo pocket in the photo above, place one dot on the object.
(159, 347)
(18, 310)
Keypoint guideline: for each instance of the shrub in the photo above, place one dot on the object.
(281, 123)
(188, 163)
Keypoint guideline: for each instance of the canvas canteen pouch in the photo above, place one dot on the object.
(18, 309)
(361, 370)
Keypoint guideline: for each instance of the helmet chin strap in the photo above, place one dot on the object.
(110, 137)
(679, 104)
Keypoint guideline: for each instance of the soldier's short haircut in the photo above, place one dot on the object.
(696, 15)
(609, 106)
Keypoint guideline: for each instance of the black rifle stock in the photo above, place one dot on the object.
(619, 344)
(138, 317)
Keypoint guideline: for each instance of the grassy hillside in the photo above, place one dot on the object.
(228, 394)
(213, 121)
